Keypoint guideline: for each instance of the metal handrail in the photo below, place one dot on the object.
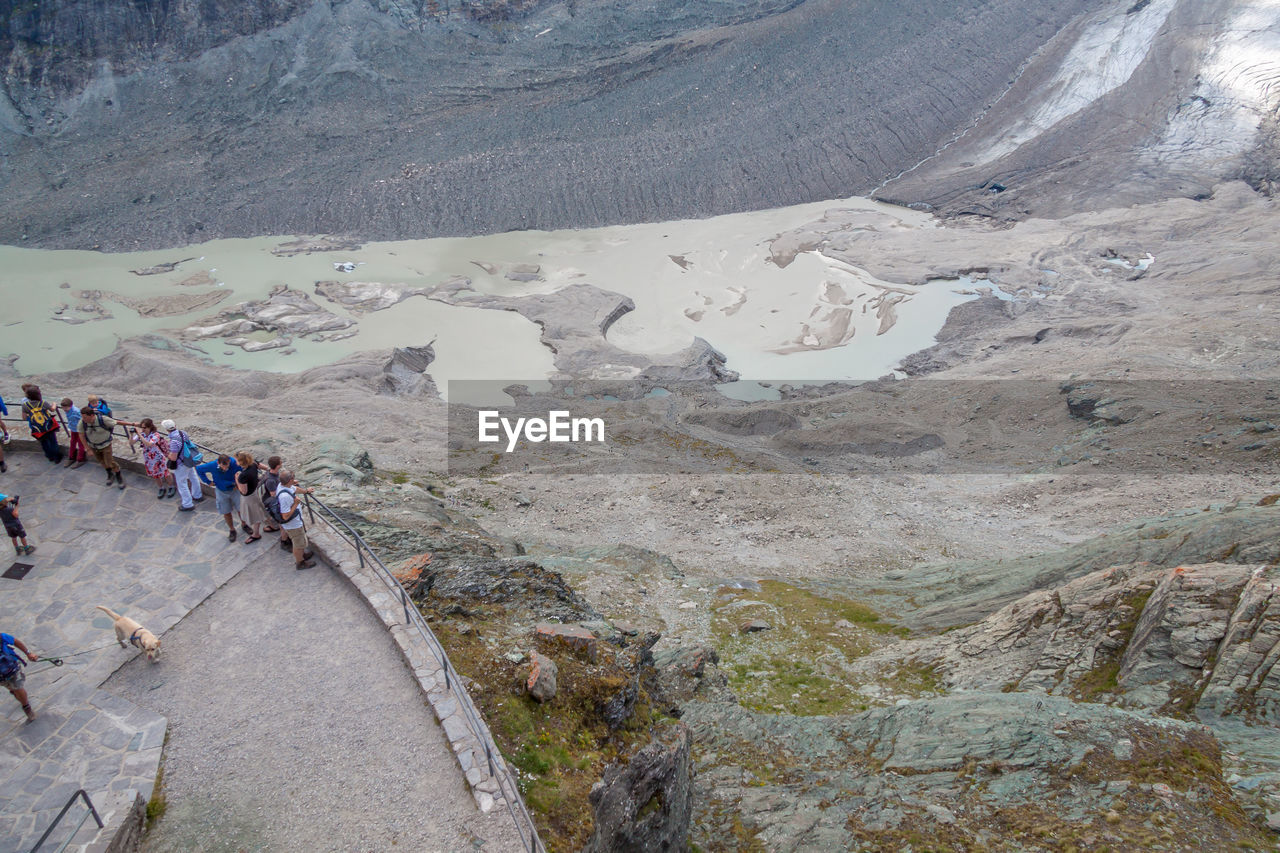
(92, 811)
(412, 616)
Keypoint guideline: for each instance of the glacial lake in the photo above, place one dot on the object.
(710, 278)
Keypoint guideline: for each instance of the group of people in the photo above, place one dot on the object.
(262, 497)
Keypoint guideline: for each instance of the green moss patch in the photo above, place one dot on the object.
(800, 665)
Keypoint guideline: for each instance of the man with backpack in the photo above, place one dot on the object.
(97, 431)
(184, 456)
(285, 508)
(11, 670)
(43, 421)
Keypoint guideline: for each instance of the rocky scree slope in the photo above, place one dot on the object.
(162, 123)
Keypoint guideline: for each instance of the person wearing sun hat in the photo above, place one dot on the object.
(182, 466)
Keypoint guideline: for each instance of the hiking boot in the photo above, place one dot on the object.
(120, 479)
(30, 549)
(111, 478)
(160, 494)
(231, 535)
(305, 564)
(286, 545)
(18, 549)
(171, 491)
(31, 715)
(307, 555)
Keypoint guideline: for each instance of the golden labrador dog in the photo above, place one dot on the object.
(135, 633)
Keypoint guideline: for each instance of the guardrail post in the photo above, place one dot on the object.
(310, 510)
(404, 600)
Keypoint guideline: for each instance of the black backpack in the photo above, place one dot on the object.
(272, 505)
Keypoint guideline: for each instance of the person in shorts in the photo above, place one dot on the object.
(221, 474)
(98, 432)
(13, 525)
(291, 512)
(11, 675)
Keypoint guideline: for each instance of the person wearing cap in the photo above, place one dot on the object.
(98, 431)
(184, 474)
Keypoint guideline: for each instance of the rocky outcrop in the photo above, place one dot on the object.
(405, 373)
(522, 588)
(340, 462)
(1159, 639)
(285, 312)
(994, 770)
(947, 594)
(645, 804)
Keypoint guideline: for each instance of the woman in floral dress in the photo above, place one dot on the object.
(155, 455)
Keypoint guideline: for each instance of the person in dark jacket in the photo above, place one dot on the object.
(43, 421)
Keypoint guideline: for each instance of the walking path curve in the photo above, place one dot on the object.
(293, 721)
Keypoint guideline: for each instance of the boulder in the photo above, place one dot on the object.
(339, 460)
(576, 638)
(645, 804)
(541, 682)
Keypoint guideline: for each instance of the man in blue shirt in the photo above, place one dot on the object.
(221, 474)
(11, 670)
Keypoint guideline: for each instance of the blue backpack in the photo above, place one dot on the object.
(190, 455)
(10, 663)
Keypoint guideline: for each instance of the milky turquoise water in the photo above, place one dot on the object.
(724, 289)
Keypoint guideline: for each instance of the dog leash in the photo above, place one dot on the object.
(54, 662)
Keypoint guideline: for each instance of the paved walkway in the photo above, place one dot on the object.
(139, 556)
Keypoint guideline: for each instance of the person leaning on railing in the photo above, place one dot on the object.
(291, 513)
(43, 421)
(97, 430)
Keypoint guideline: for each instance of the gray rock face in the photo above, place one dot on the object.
(405, 373)
(677, 109)
(1159, 632)
(524, 587)
(645, 804)
(339, 462)
(955, 593)
(947, 773)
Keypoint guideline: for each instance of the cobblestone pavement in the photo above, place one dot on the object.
(139, 556)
